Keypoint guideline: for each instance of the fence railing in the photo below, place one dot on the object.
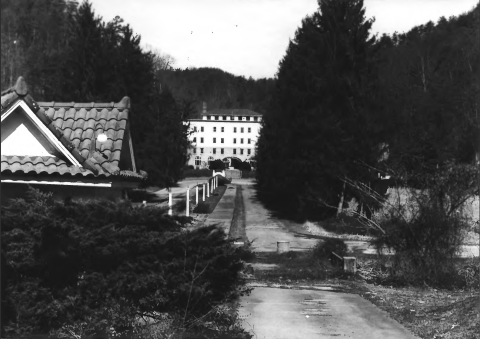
(206, 187)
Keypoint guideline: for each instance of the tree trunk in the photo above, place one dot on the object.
(340, 204)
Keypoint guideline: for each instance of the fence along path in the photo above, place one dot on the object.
(194, 193)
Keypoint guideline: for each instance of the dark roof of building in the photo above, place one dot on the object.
(234, 111)
(74, 125)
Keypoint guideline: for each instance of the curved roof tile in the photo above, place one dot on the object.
(74, 124)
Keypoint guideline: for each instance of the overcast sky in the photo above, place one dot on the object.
(249, 37)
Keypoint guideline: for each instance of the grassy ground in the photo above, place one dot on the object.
(344, 224)
(430, 313)
(237, 228)
(295, 268)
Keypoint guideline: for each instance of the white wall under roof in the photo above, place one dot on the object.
(231, 140)
(228, 133)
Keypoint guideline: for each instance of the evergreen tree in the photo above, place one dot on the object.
(163, 154)
(323, 123)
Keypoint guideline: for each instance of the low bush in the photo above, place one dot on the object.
(137, 195)
(425, 232)
(248, 174)
(179, 205)
(202, 208)
(222, 181)
(217, 165)
(324, 248)
(196, 173)
(78, 268)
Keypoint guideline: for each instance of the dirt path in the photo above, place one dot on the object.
(265, 230)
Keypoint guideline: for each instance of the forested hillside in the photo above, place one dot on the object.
(404, 105)
(217, 88)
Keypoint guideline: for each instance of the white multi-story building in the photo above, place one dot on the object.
(223, 134)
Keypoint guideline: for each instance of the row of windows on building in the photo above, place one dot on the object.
(222, 129)
(198, 161)
(222, 151)
(222, 140)
(219, 117)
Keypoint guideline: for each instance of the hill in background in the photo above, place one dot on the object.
(219, 89)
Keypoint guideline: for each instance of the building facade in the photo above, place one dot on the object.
(223, 134)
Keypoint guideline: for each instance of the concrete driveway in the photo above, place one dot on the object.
(272, 313)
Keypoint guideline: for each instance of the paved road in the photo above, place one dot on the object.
(272, 313)
(275, 313)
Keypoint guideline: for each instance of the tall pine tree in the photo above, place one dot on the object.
(323, 123)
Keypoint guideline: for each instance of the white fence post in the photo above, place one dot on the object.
(203, 192)
(196, 195)
(208, 188)
(169, 202)
(188, 202)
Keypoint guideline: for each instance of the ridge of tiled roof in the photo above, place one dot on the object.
(19, 90)
(75, 125)
(232, 111)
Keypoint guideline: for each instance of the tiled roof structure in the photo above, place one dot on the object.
(75, 125)
(235, 112)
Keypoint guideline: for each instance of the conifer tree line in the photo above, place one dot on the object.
(68, 53)
(347, 102)
(219, 89)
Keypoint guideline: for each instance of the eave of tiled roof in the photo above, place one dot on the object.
(74, 125)
(55, 166)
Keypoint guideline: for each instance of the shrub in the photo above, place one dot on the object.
(248, 174)
(217, 165)
(102, 263)
(426, 229)
(324, 248)
(179, 205)
(202, 207)
(222, 181)
(245, 166)
(196, 173)
(137, 195)
(424, 247)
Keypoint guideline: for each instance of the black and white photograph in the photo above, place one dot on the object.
(240, 169)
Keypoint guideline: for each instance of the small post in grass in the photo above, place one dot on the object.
(188, 202)
(283, 246)
(203, 192)
(196, 195)
(350, 264)
(208, 188)
(169, 202)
